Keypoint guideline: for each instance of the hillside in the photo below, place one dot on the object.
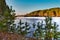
(54, 12)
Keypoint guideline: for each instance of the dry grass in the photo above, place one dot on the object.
(12, 36)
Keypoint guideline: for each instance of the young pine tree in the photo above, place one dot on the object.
(19, 27)
(6, 18)
(55, 31)
(23, 28)
(48, 28)
(27, 28)
(39, 32)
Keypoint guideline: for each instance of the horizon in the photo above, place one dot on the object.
(26, 6)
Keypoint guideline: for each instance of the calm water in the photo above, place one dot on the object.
(32, 20)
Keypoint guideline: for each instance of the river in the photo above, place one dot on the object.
(32, 20)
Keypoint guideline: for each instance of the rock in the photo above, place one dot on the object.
(53, 12)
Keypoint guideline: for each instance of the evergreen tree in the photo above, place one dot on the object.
(12, 28)
(22, 28)
(48, 28)
(6, 18)
(27, 28)
(39, 32)
(33, 25)
(19, 27)
(55, 30)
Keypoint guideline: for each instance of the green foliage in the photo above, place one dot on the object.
(47, 30)
(39, 32)
(12, 28)
(23, 30)
(26, 27)
(55, 31)
(50, 29)
(6, 18)
(19, 27)
(34, 25)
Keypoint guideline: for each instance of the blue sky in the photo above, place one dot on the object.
(26, 6)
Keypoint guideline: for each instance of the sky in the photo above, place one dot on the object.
(26, 6)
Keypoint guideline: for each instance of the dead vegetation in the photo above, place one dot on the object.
(13, 36)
